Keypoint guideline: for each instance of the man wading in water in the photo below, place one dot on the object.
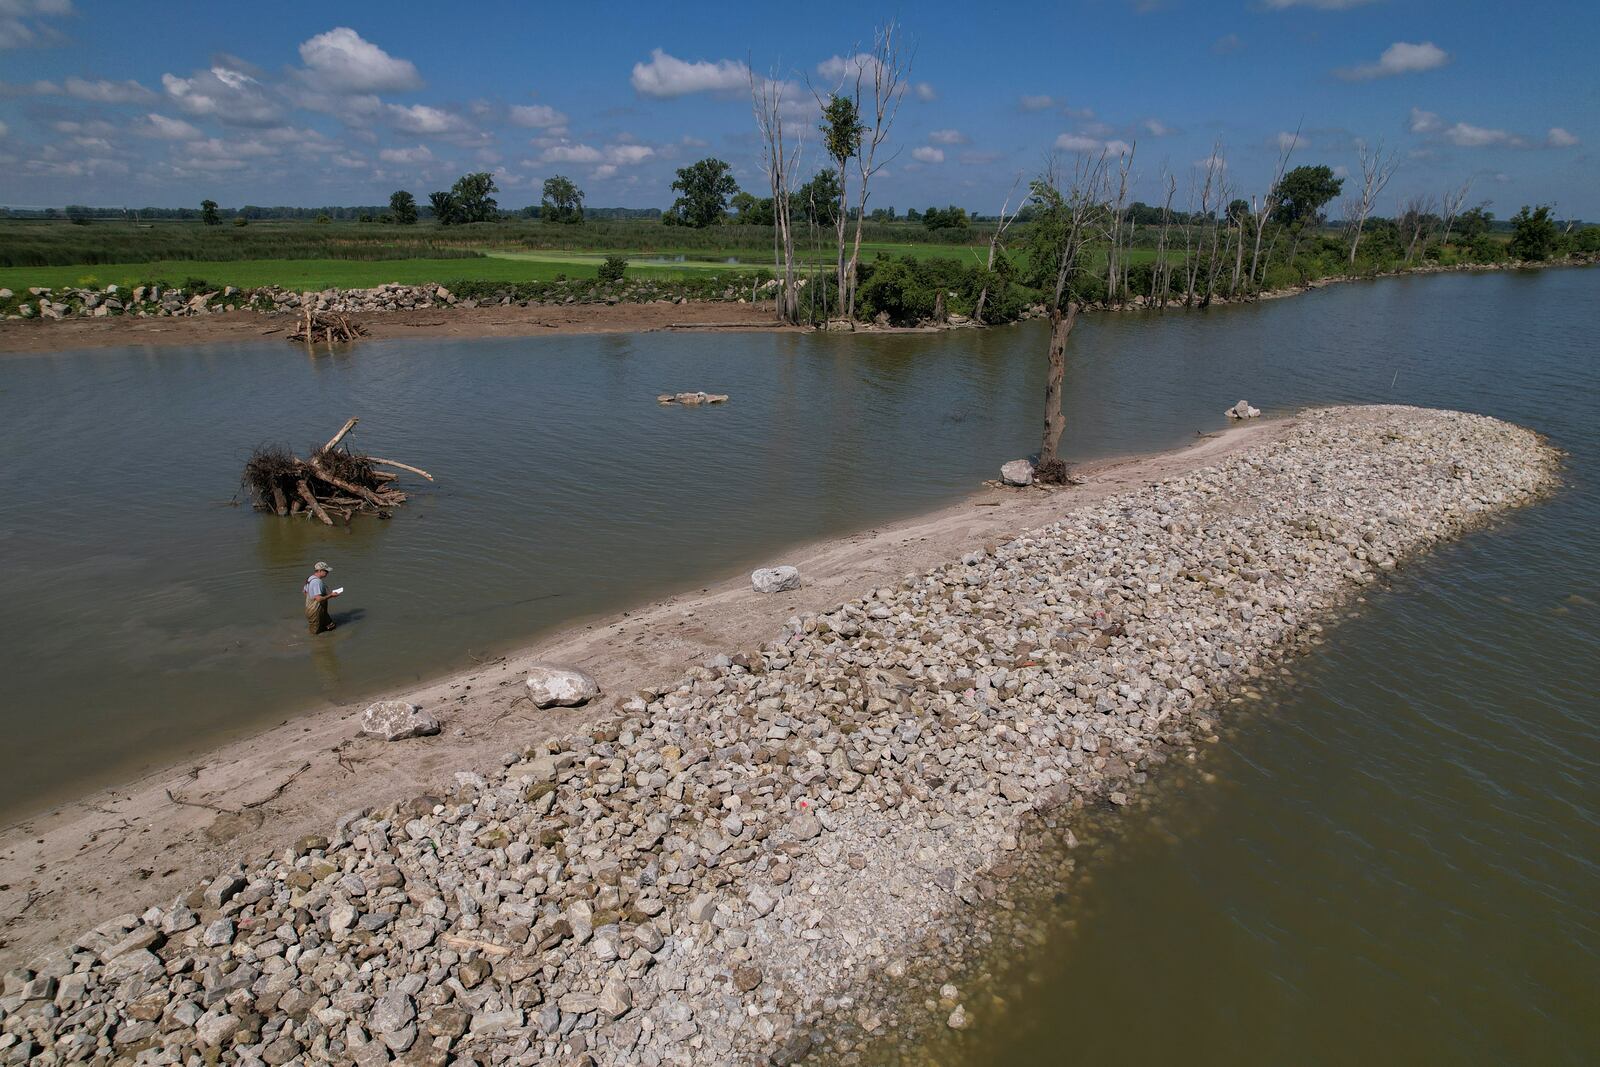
(317, 597)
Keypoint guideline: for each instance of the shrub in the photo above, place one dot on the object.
(613, 268)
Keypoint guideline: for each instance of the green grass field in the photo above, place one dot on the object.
(312, 274)
(497, 265)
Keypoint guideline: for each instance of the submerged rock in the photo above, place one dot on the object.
(396, 720)
(560, 687)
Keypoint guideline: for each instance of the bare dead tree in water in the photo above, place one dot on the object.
(1268, 205)
(1376, 170)
(1161, 275)
(781, 162)
(888, 71)
(1416, 219)
(1075, 200)
(994, 244)
(1115, 257)
(1452, 208)
(1213, 197)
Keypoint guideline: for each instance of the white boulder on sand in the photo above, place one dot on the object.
(1243, 410)
(1017, 472)
(396, 720)
(775, 579)
(560, 686)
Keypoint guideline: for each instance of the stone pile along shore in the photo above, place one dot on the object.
(707, 876)
(156, 301)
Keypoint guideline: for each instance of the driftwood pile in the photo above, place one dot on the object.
(329, 326)
(334, 481)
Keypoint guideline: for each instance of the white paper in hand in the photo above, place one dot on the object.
(339, 590)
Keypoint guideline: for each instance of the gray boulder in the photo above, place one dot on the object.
(775, 579)
(1017, 472)
(560, 687)
(396, 720)
(1243, 410)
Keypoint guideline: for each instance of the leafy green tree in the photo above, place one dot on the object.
(705, 188)
(445, 208)
(563, 201)
(950, 218)
(1534, 235)
(613, 268)
(403, 206)
(208, 213)
(473, 199)
(1304, 192)
(752, 210)
(1474, 223)
(818, 199)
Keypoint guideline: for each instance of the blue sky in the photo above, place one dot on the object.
(161, 104)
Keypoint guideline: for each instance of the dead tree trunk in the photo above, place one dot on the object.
(1050, 465)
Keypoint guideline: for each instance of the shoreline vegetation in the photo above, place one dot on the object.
(151, 315)
(701, 865)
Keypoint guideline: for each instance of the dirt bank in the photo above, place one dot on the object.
(120, 849)
(39, 335)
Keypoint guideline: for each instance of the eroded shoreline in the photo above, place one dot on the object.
(697, 880)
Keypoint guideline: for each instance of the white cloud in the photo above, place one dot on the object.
(343, 61)
(947, 137)
(1118, 148)
(846, 68)
(614, 155)
(571, 153)
(628, 155)
(667, 76)
(927, 154)
(1425, 121)
(1399, 58)
(1286, 140)
(1560, 138)
(407, 156)
(21, 24)
(1037, 103)
(1466, 135)
(604, 171)
(1158, 128)
(107, 92)
(167, 129)
(1321, 5)
(232, 96)
(536, 116)
(424, 120)
(1077, 142)
(925, 92)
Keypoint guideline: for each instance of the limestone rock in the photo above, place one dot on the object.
(560, 687)
(396, 720)
(775, 579)
(1243, 410)
(1017, 472)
